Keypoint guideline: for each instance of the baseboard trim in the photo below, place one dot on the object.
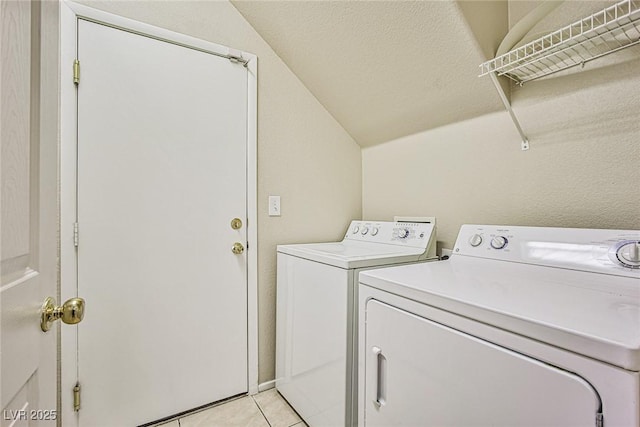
(266, 385)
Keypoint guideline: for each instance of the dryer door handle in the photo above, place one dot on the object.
(381, 377)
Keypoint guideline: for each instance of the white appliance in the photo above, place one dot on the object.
(316, 336)
(522, 326)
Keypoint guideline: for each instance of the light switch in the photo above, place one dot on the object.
(274, 205)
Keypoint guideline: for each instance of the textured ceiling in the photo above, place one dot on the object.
(386, 69)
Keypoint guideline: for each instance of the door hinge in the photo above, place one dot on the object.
(76, 397)
(599, 420)
(76, 234)
(235, 56)
(76, 71)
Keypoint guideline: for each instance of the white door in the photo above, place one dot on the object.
(161, 173)
(28, 126)
(421, 373)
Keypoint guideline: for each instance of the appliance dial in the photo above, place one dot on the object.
(499, 242)
(365, 230)
(355, 229)
(374, 231)
(628, 253)
(403, 233)
(475, 240)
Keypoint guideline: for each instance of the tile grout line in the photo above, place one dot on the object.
(261, 411)
(286, 404)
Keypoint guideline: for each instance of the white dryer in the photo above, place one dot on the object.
(522, 326)
(316, 334)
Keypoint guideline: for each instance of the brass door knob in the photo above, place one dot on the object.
(237, 248)
(71, 312)
(236, 223)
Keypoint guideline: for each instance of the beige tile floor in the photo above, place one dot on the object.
(266, 409)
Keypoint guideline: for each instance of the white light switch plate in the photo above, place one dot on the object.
(274, 205)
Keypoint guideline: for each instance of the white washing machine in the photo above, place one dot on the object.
(316, 336)
(522, 326)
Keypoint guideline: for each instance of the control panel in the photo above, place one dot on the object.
(412, 234)
(603, 251)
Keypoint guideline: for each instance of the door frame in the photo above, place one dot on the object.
(70, 13)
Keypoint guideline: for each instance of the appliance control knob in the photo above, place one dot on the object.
(374, 231)
(355, 229)
(403, 233)
(499, 242)
(629, 254)
(475, 240)
(365, 230)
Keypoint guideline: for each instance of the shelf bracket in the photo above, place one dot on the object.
(503, 96)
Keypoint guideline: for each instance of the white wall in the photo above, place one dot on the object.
(581, 171)
(304, 155)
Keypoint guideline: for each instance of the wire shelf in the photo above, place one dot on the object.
(610, 30)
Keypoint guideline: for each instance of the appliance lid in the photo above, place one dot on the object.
(593, 314)
(372, 243)
(352, 254)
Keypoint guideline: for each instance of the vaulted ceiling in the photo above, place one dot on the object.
(386, 69)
